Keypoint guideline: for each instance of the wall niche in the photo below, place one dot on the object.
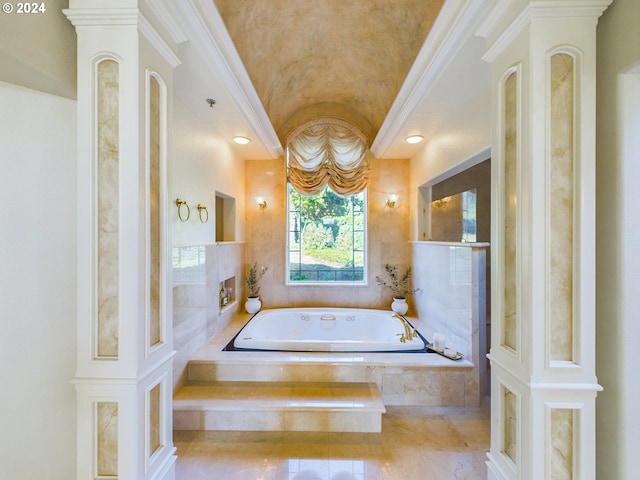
(225, 218)
(227, 294)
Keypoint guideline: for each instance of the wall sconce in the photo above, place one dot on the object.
(441, 202)
(262, 202)
(391, 200)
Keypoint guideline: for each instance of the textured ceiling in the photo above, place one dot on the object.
(340, 58)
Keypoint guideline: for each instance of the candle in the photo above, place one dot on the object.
(439, 342)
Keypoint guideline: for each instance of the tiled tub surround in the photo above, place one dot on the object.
(452, 301)
(197, 317)
(387, 236)
(402, 378)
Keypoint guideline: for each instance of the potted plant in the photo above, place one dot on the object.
(253, 303)
(399, 285)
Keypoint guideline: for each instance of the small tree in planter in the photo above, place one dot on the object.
(399, 285)
(253, 303)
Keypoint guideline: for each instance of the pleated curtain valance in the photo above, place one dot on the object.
(330, 153)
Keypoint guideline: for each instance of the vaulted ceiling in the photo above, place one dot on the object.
(345, 59)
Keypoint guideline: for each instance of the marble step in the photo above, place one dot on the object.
(279, 406)
(271, 370)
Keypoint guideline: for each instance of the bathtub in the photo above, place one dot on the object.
(326, 330)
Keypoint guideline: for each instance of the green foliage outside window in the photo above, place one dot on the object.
(326, 237)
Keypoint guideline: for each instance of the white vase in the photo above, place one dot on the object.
(253, 305)
(399, 305)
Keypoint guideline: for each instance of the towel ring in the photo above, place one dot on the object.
(201, 207)
(180, 203)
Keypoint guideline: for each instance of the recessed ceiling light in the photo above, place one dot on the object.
(414, 139)
(241, 140)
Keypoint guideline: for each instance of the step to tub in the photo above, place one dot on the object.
(279, 406)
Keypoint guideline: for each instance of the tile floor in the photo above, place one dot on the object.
(416, 443)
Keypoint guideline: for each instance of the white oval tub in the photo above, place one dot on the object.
(326, 330)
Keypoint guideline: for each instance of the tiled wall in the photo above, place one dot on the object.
(197, 316)
(452, 301)
(388, 236)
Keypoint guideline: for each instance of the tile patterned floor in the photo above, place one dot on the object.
(416, 443)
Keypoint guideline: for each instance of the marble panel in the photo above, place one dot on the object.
(561, 443)
(107, 438)
(422, 383)
(452, 386)
(453, 302)
(187, 420)
(510, 424)
(154, 172)
(509, 332)
(332, 421)
(154, 419)
(108, 208)
(475, 391)
(448, 299)
(192, 328)
(561, 223)
(189, 264)
(392, 384)
(253, 420)
(229, 258)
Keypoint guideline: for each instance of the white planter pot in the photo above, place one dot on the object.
(399, 305)
(253, 305)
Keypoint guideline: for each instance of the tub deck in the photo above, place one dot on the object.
(403, 378)
(312, 391)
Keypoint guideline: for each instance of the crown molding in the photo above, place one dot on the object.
(166, 18)
(96, 17)
(455, 24)
(152, 35)
(502, 23)
(91, 17)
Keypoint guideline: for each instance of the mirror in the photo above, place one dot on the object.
(453, 218)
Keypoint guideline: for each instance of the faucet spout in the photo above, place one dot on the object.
(409, 331)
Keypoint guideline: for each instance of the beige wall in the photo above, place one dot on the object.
(37, 284)
(617, 258)
(202, 162)
(38, 51)
(388, 236)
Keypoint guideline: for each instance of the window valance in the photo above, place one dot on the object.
(328, 152)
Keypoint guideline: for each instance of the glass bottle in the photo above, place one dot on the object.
(222, 295)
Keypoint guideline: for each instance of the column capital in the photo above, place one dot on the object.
(86, 17)
(506, 18)
(124, 17)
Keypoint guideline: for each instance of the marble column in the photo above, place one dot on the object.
(124, 350)
(542, 56)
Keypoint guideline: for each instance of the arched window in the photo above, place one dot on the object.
(328, 173)
(328, 152)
